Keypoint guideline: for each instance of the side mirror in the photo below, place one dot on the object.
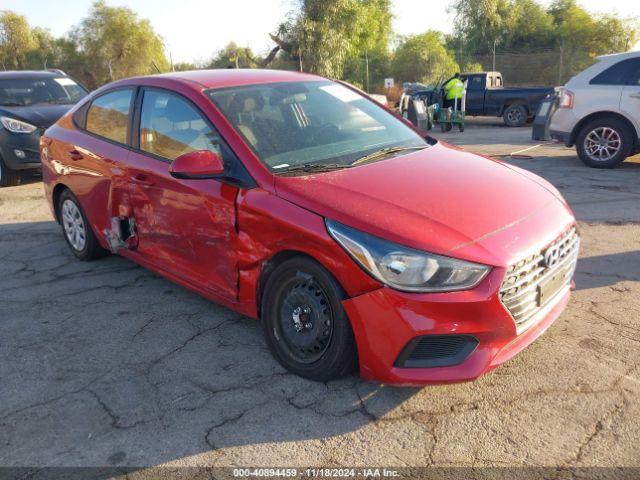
(200, 164)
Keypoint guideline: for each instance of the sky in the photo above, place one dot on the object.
(195, 29)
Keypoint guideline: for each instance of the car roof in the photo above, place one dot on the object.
(14, 74)
(221, 78)
(620, 56)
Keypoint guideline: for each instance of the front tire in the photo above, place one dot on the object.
(515, 115)
(305, 325)
(604, 143)
(76, 228)
(8, 177)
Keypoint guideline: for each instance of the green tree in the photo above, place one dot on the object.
(43, 53)
(335, 37)
(423, 58)
(115, 43)
(531, 26)
(482, 23)
(235, 56)
(16, 40)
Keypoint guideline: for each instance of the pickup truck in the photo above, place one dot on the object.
(487, 95)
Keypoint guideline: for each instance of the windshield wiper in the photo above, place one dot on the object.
(313, 168)
(385, 151)
(12, 104)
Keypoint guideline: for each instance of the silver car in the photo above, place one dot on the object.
(599, 111)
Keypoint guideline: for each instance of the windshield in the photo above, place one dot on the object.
(301, 123)
(21, 92)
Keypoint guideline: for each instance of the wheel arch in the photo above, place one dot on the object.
(55, 198)
(604, 114)
(269, 265)
(515, 101)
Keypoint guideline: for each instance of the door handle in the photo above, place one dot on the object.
(75, 155)
(635, 95)
(142, 179)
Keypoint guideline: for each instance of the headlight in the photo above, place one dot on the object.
(404, 268)
(16, 126)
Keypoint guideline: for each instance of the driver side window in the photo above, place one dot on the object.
(170, 126)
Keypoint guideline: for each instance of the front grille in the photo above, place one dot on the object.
(436, 351)
(533, 285)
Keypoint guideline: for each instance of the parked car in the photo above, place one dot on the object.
(30, 101)
(297, 200)
(599, 111)
(487, 95)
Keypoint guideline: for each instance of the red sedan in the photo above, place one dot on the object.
(356, 241)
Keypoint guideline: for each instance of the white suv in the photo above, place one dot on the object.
(599, 111)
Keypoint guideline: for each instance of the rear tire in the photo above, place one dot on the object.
(515, 115)
(76, 228)
(8, 177)
(305, 325)
(604, 143)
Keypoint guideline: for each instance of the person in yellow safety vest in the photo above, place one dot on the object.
(453, 89)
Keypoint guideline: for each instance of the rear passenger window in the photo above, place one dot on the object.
(170, 126)
(108, 115)
(625, 72)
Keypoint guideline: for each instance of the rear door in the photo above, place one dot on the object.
(630, 98)
(92, 157)
(184, 227)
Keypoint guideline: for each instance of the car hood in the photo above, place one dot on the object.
(440, 199)
(40, 115)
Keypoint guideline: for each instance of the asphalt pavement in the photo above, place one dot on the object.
(106, 364)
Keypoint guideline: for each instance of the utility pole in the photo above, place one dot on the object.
(366, 60)
(561, 64)
(495, 41)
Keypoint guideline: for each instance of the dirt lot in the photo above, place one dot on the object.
(106, 364)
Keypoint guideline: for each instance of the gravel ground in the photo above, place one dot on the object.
(106, 364)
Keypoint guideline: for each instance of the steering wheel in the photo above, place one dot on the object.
(324, 132)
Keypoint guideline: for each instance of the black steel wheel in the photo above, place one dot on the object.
(306, 328)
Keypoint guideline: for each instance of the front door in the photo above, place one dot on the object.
(184, 227)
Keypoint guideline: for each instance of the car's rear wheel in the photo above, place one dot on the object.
(515, 115)
(8, 177)
(76, 228)
(604, 143)
(306, 328)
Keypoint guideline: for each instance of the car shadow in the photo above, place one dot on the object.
(104, 363)
(606, 270)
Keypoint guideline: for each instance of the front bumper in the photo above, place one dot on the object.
(29, 143)
(385, 321)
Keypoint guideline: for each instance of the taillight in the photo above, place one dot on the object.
(566, 99)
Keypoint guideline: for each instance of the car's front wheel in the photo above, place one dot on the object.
(305, 325)
(8, 177)
(76, 229)
(604, 143)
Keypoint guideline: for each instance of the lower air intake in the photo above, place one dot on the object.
(436, 351)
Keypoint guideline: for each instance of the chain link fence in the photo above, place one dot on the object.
(553, 67)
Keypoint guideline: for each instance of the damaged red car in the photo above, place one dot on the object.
(357, 242)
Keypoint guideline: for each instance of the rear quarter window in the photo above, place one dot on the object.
(108, 115)
(626, 72)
